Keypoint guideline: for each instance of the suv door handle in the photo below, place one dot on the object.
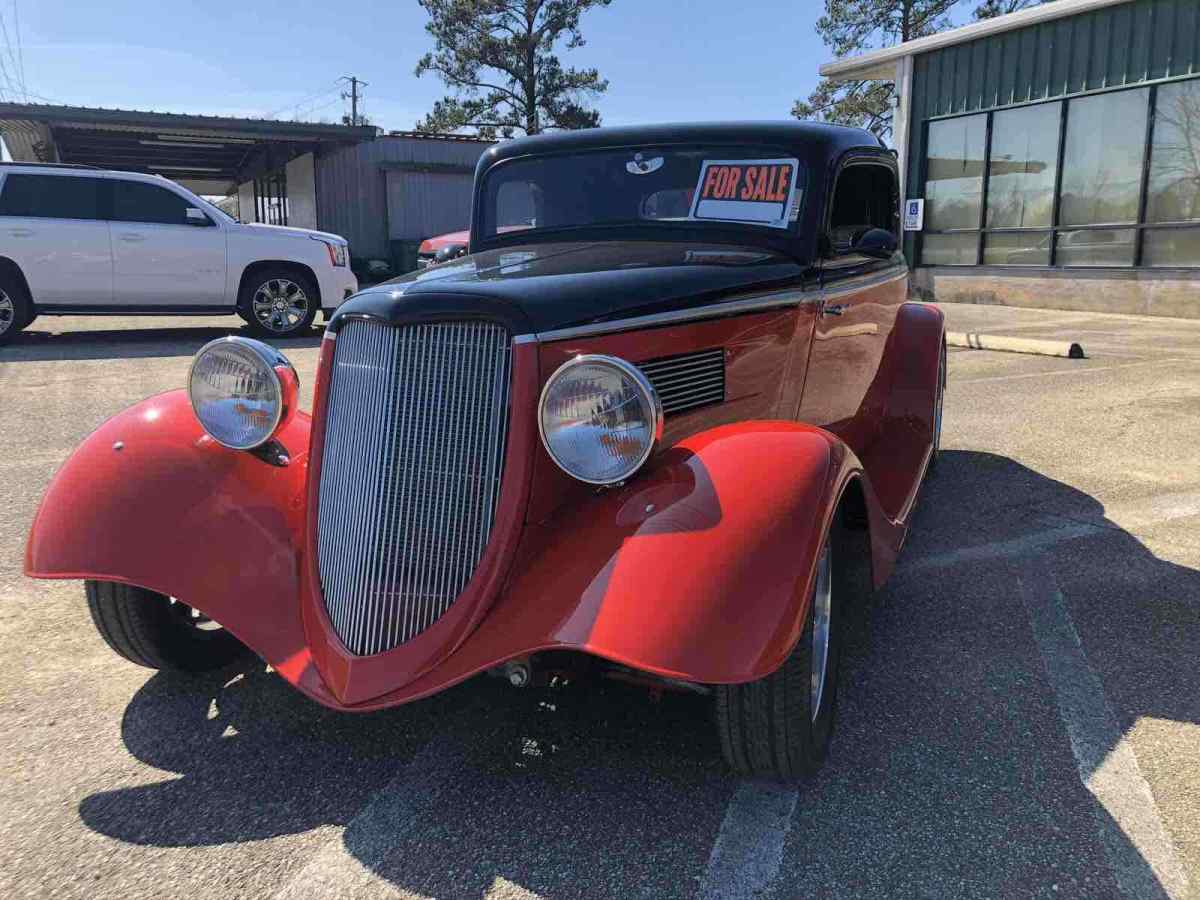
(21, 232)
(131, 238)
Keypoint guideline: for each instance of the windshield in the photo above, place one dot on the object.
(755, 187)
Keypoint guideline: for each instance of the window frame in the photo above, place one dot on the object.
(102, 195)
(1056, 227)
(110, 203)
(884, 160)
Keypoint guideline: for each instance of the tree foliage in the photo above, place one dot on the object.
(989, 9)
(497, 57)
(854, 26)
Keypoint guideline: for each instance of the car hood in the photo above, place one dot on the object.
(548, 286)
(288, 231)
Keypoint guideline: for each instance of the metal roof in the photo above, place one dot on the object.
(881, 64)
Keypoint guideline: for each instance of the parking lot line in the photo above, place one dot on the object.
(1081, 370)
(347, 867)
(748, 851)
(1140, 852)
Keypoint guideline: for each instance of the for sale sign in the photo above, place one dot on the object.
(755, 191)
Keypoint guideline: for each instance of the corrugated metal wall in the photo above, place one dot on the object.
(423, 204)
(1126, 44)
(352, 186)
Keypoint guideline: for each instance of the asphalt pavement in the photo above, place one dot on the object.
(1020, 706)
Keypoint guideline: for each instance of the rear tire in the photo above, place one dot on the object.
(279, 303)
(938, 406)
(768, 727)
(16, 310)
(157, 632)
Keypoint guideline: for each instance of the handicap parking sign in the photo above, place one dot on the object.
(914, 215)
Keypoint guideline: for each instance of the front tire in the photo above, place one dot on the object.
(16, 310)
(279, 303)
(159, 632)
(779, 726)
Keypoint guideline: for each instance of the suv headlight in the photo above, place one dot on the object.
(339, 255)
(599, 418)
(242, 391)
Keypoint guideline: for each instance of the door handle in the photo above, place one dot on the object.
(21, 232)
(133, 238)
(836, 310)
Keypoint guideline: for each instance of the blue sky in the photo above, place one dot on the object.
(666, 60)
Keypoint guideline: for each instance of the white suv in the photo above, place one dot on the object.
(79, 241)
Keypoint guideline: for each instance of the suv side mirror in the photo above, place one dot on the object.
(195, 216)
(876, 243)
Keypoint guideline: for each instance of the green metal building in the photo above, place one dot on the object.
(1057, 154)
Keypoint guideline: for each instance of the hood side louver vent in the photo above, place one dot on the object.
(688, 380)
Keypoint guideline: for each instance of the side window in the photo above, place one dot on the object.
(50, 196)
(865, 198)
(136, 201)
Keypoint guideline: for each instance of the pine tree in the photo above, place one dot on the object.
(498, 59)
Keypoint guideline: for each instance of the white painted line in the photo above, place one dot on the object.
(749, 848)
(1116, 517)
(348, 867)
(954, 380)
(1140, 852)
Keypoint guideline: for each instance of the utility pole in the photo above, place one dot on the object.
(353, 96)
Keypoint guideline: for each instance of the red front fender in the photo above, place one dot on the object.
(150, 499)
(701, 569)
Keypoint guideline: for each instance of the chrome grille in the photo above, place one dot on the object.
(687, 380)
(410, 473)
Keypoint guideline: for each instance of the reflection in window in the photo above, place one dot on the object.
(1102, 160)
(1171, 247)
(954, 172)
(1017, 248)
(1096, 247)
(1174, 188)
(1022, 166)
(949, 249)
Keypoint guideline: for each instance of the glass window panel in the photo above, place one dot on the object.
(954, 172)
(1096, 247)
(136, 201)
(1174, 188)
(50, 196)
(1021, 248)
(1022, 166)
(949, 249)
(1171, 247)
(1102, 161)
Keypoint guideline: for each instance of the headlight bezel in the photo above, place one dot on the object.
(644, 387)
(282, 377)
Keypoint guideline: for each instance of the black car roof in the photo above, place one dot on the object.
(813, 136)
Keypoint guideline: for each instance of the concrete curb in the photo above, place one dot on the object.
(975, 341)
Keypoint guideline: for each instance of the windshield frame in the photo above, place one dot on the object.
(792, 240)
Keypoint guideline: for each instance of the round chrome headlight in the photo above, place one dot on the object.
(599, 418)
(242, 391)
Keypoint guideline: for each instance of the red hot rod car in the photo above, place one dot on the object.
(671, 426)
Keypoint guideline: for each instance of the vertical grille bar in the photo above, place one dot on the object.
(415, 433)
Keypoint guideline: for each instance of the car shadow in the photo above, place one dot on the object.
(950, 764)
(41, 344)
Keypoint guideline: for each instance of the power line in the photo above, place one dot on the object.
(304, 101)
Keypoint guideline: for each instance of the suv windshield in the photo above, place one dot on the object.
(755, 187)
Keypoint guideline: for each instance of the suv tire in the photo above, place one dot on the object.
(16, 311)
(279, 303)
(158, 632)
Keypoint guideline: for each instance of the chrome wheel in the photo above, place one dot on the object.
(280, 305)
(8, 312)
(822, 616)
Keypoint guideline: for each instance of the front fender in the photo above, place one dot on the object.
(150, 499)
(700, 570)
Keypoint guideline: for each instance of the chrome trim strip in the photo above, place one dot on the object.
(774, 300)
(525, 339)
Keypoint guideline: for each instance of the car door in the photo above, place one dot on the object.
(164, 256)
(51, 226)
(860, 297)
